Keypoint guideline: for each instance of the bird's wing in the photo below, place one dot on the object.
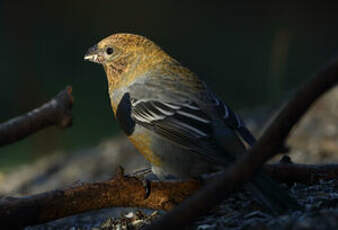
(165, 106)
(183, 124)
(178, 113)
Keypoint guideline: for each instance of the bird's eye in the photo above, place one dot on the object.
(109, 50)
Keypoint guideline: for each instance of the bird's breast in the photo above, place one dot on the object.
(142, 143)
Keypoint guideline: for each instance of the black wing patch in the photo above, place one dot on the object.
(123, 115)
(181, 123)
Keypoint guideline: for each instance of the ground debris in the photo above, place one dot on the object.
(321, 212)
(131, 221)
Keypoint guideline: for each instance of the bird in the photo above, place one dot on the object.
(173, 118)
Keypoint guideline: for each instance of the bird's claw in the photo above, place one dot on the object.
(141, 175)
(147, 187)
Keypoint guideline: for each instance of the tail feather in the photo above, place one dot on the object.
(271, 194)
(265, 189)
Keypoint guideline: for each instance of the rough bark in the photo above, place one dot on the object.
(123, 191)
(16, 213)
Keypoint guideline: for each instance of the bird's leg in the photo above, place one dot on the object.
(141, 175)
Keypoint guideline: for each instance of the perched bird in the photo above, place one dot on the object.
(179, 125)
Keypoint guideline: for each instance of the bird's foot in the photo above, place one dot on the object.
(141, 175)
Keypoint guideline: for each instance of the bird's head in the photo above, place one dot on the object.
(121, 52)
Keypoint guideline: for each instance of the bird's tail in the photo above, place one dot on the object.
(271, 194)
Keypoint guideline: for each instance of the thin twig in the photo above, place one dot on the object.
(55, 112)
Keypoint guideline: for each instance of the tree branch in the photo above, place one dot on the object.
(301, 173)
(123, 191)
(55, 112)
(245, 168)
(16, 213)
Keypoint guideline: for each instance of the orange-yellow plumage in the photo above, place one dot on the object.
(143, 145)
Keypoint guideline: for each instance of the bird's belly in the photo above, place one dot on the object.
(169, 159)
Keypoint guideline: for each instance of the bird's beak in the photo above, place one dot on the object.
(94, 55)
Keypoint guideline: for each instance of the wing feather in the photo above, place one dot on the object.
(233, 120)
(173, 120)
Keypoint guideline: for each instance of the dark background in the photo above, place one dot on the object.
(251, 54)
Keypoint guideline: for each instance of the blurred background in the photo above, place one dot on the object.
(251, 54)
